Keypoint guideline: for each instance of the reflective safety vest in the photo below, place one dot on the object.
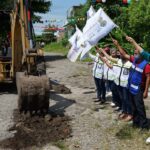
(121, 73)
(105, 72)
(98, 68)
(111, 73)
(135, 76)
(108, 73)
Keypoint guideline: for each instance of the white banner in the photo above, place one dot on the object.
(97, 27)
(75, 36)
(86, 47)
(76, 49)
(91, 12)
(73, 53)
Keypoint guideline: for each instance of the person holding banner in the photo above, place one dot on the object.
(116, 102)
(121, 72)
(138, 83)
(98, 77)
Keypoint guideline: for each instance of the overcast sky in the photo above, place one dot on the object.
(58, 12)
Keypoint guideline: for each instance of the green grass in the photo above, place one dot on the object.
(56, 47)
(125, 133)
(59, 48)
(61, 145)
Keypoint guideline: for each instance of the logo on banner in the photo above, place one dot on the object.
(102, 22)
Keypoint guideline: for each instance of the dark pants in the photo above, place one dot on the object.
(115, 94)
(107, 86)
(101, 89)
(119, 94)
(139, 114)
(126, 102)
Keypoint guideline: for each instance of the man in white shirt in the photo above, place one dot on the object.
(98, 77)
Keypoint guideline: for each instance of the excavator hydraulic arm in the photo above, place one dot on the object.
(28, 62)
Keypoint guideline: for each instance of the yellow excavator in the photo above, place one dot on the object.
(21, 61)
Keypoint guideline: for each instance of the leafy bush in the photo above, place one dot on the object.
(64, 42)
(139, 21)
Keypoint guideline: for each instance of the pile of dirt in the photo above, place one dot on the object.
(36, 131)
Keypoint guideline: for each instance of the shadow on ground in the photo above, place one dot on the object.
(61, 103)
(49, 58)
(8, 88)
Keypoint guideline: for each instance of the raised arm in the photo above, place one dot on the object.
(91, 56)
(106, 61)
(145, 94)
(125, 55)
(144, 54)
(106, 55)
(133, 42)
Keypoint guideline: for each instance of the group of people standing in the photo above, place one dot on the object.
(127, 76)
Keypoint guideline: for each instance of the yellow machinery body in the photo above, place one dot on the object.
(22, 60)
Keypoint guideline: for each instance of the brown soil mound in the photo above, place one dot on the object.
(36, 131)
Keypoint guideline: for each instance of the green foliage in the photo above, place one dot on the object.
(48, 37)
(139, 21)
(37, 6)
(48, 34)
(119, 34)
(132, 19)
(80, 12)
(61, 145)
(111, 7)
(56, 47)
(125, 133)
(6, 4)
(64, 42)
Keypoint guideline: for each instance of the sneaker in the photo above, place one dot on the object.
(117, 108)
(128, 118)
(148, 140)
(112, 104)
(109, 94)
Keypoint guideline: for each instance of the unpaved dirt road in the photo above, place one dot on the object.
(92, 126)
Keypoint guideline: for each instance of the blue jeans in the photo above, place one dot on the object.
(101, 89)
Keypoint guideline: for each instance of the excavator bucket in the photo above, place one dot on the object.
(33, 93)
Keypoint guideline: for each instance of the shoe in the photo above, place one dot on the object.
(98, 100)
(117, 109)
(122, 116)
(112, 104)
(109, 94)
(128, 118)
(102, 102)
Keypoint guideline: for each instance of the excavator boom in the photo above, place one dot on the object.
(26, 64)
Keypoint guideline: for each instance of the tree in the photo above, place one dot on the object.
(37, 6)
(48, 34)
(139, 21)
